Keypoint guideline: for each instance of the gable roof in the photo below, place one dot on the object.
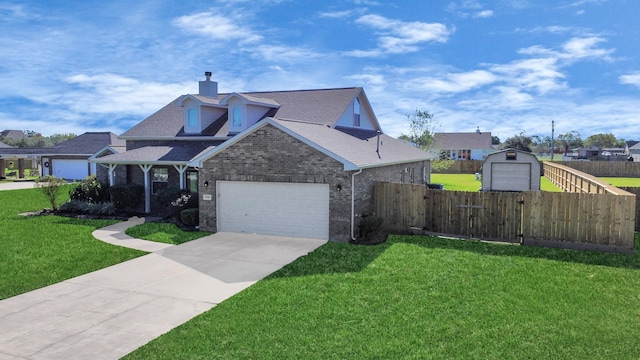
(85, 144)
(320, 106)
(355, 151)
(13, 134)
(5, 146)
(462, 140)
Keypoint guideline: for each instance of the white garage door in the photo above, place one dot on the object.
(511, 177)
(280, 209)
(70, 169)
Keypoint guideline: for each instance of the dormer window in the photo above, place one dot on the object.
(192, 118)
(356, 113)
(237, 117)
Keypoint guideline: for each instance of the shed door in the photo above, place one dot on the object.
(510, 176)
(280, 209)
(70, 169)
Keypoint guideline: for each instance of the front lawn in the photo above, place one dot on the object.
(419, 297)
(164, 233)
(41, 250)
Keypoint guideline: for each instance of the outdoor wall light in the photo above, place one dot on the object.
(206, 183)
(339, 187)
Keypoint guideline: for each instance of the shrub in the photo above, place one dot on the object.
(90, 190)
(84, 207)
(126, 197)
(173, 197)
(190, 217)
(51, 187)
(370, 225)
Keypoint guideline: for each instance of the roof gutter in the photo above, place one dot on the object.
(353, 202)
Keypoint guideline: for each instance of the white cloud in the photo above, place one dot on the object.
(631, 79)
(454, 82)
(115, 94)
(337, 14)
(541, 75)
(396, 37)
(574, 49)
(219, 27)
(483, 14)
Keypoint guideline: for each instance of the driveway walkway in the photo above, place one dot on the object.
(16, 185)
(110, 312)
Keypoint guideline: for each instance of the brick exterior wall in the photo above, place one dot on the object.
(270, 155)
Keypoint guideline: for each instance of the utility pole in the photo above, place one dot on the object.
(552, 144)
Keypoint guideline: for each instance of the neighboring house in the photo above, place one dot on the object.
(16, 135)
(587, 152)
(290, 163)
(628, 145)
(68, 159)
(463, 146)
(4, 146)
(634, 151)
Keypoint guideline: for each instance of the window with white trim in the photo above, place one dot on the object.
(159, 179)
(192, 117)
(237, 117)
(356, 112)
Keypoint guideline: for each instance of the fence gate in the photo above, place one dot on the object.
(481, 215)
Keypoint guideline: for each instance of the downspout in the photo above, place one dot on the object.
(353, 202)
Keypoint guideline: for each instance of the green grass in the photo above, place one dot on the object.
(164, 233)
(41, 250)
(468, 182)
(622, 181)
(419, 297)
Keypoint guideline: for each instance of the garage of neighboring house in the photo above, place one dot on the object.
(511, 170)
(280, 209)
(71, 169)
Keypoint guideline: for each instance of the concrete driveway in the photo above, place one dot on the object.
(17, 185)
(111, 312)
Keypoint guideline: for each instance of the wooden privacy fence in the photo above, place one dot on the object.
(605, 168)
(575, 181)
(636, 192)
(573, 220)
(462, 167)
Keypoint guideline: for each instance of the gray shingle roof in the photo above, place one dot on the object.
(5, 146)
(462, 141)
(13, 134)
(358, 146)
(323, 106)
(176, 154)
(84, 144)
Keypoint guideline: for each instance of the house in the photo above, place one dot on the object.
(634, 151)
(511, 170)
(289, 163)
(4, 146)
(13, 135)
(462, 146)
(68, 160)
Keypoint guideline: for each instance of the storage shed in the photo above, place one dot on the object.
(511, 170)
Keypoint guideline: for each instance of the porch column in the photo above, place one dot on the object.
(181, 170)
(2, 166)
(147, 191)
(112, 174)
(21, 168)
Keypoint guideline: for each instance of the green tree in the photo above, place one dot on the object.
(601, 141)
(518, 142)
(568, 141)
(422, 127)
(495, 140)
(51, 187)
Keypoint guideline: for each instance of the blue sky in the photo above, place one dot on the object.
(506, 66)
